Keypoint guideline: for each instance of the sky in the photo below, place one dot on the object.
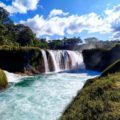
(53, 19)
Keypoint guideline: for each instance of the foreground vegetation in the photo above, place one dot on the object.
(17, 34)
(3, 80)
(99, 99)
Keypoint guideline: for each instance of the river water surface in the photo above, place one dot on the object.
(42, 97)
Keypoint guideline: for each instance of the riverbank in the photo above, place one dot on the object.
(99, 98)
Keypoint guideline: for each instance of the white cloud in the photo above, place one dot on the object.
(57, 12)
(41, 26)
(20, 6)
(113, 19)
(89, 22)
(60, 23)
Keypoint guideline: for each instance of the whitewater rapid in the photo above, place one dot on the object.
(11, 77)
(42, 97)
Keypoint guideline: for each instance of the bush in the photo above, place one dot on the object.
(3, 80)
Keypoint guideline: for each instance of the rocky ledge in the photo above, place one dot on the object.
(100, 59)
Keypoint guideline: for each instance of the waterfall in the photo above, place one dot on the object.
(66, 59)
(61, 60)
(76, 59)
(55, 61)
(45, 61)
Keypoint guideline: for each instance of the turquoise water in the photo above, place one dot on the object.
(42, 97)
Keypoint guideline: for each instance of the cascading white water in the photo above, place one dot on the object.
(76, 59)
(66, 59)
(54, 58)
(11, 77)
(43, 97)
(45, 61)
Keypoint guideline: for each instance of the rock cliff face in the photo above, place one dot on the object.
(22, 60)
(99, 59)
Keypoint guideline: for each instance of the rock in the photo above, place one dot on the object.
(113, 68)
(21, 60)
(3, 80)
(100, 59)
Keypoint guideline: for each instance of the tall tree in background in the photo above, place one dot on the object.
(25, 35)
(14, 34)
(4, 17)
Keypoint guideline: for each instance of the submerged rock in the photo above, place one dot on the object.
(3, 80)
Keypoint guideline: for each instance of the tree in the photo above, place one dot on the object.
(4, 17)
(3, 35)
(55, 44)
(25, 36)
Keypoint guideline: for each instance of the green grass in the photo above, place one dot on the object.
(3, 80)
(100, 100)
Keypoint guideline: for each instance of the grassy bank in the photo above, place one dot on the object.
(99, 99)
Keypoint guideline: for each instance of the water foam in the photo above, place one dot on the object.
(41, 97)
(11, 77)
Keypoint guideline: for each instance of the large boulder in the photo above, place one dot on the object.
(3, 80)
